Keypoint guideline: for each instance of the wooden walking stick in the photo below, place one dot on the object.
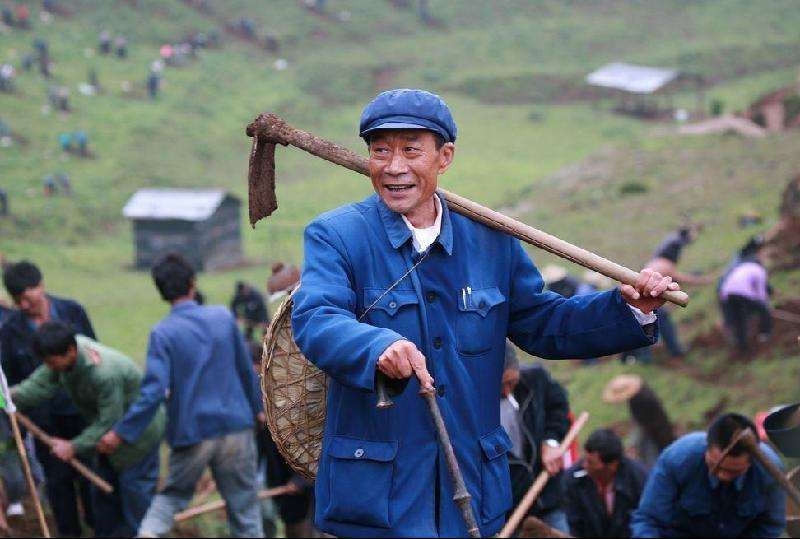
(536, 488)
(75, 463)
(193, 512)
(11, 410)
(268, 130)
(460, 493)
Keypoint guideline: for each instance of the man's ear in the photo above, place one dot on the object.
(447, 153)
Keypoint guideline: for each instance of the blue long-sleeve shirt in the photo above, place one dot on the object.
(380, 469)
(682, 499)
(196, 360)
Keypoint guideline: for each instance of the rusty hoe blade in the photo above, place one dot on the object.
(261, 180)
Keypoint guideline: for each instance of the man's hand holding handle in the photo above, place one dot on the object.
(402, 359)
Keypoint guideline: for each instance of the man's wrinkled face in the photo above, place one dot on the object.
(32, 302)
(598, 470)
(63, 362)
(510, 381)
(404, 166)
(730, 468)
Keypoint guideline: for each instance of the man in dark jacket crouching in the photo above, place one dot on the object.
(603, 488)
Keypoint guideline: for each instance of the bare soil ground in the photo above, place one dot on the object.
(784, 336)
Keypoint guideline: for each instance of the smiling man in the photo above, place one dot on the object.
(398, 285)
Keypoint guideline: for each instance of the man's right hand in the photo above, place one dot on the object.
(402, 359)
(109, 443)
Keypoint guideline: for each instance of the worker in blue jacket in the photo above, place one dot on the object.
(695, 490)
(197, 362)
(398, 284)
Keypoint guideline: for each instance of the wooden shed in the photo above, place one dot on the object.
(202, 225)
(646, 92)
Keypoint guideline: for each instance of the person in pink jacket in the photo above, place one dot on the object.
(744, 293)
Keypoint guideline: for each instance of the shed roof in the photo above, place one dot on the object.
(184, 204)
(632, 78)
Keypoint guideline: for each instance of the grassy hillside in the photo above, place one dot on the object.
(503, 66)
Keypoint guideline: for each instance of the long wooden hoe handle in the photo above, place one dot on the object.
(26, 467)
(537, 486)
(196, 511)
(75, 463)
(269, 129)
(750, 441)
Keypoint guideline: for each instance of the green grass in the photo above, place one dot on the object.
(561, 167)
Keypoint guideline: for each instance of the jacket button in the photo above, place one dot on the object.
(392, 304)
(437, 343)
(359, 453)
(440, 390)
(482, 304)
(498, 449)
(431, 297)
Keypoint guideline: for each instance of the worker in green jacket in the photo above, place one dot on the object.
(102, 383)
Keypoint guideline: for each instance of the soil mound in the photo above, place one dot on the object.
(785, 332)
(783, 240)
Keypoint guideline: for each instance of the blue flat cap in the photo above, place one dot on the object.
(408, 109)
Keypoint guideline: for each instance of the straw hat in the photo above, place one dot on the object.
(553, 273)
(621, 388)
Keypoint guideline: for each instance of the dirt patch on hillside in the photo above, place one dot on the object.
(784, 336)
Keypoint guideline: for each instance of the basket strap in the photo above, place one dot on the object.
(397, 282)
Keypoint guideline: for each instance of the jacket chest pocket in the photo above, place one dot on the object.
(477, 319)
(361, 474)
(395, 310)
(495, 475)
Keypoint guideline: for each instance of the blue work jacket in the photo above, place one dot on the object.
(196, 360)
(19, 361)
(682, 499)
(381, 472)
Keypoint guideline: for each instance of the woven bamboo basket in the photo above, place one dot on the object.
(295, 393)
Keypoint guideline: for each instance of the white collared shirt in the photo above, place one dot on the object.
(422, 238)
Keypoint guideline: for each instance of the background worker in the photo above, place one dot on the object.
(603, 489)
(197, 357)
(665, 261)
(58, 417)
(102, 383)
(294, 508)
(693, 492)
(534, 410)
(249, 309)
(744, 293)
(652, 429)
